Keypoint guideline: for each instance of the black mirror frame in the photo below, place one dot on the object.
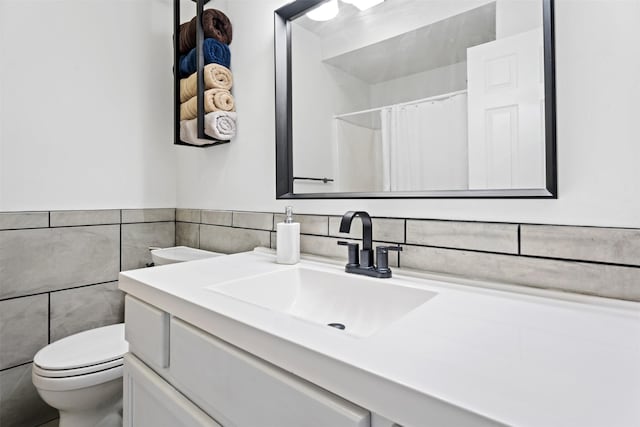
(284, 129)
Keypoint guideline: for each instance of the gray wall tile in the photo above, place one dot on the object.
(256, 220)
(76, 310)
(187, 234)
(232, 240)
(384, 229)
(137, 238)
(214, 217)
(17, 220)
(479, 236)
(323, 246)
(41, 260)
(24, 329)
(309, 224)
(613, 245)
(148, 215)
(593, 279)
(70, 218)
(328, 247)
(188, 215)
(20, 404)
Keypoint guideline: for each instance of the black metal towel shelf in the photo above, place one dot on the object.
(302, 178)
(176, 77)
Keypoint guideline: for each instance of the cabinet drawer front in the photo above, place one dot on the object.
(151, 402)
(241, 390)
(147, 331)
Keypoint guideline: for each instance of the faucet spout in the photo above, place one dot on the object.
(365, 265)
(367, 227)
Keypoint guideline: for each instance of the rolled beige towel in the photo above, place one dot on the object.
(214, 100)
(216, 76)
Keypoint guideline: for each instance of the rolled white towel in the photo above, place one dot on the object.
(220, 125)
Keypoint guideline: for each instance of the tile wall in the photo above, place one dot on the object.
(59, 270)
(588, 260)
(58, 276)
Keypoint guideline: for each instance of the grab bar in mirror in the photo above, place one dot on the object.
(302, 178)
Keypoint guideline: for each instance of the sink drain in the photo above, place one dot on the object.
(337, 325)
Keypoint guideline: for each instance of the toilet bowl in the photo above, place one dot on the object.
(81, 376)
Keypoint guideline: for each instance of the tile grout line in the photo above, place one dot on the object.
(93, 225)
(58, 290)
(330, 215)
(541, 257)
(47, 422)
(16, 366)
(405, 240)
(49, 317)
(519, 241)
(511, 254)
(120, 248)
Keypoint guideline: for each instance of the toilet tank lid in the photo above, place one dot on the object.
(83, 349)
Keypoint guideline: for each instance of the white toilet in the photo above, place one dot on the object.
(164, 256)
(81, 376)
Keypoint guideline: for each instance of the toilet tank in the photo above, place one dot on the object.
(180, 254)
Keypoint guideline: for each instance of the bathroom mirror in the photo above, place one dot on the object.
(415, 98)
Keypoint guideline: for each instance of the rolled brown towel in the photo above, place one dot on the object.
(216, 76)
(214, 100)
(215, 24)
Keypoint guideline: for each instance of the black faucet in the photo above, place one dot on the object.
(361, 262)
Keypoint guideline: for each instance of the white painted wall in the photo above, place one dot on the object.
(359, 158)
(450, 78)
(312, 110)
(598, 129)
(396, 17)
(86, 104)
(517, 16)
(319, 92)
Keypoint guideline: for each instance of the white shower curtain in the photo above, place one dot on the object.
(426, 145)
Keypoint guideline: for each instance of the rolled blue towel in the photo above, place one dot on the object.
(214, 52)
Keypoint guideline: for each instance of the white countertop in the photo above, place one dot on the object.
(513, 358)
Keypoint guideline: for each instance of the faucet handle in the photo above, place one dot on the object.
(386, 249)
(382, 257)
(353, 251)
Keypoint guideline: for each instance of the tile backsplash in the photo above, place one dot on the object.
(58, 276)
(588, 260)
(59, 269)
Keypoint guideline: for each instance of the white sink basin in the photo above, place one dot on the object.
(363, 305)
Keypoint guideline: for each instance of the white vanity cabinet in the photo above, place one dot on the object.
(150, 401)
(204, 381)
(239, 389)
(147, 331)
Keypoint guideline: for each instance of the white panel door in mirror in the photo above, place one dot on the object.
(506, 113)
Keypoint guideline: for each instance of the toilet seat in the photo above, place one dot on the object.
(63, 373)
(88, 348)
(82, 360)
(76, 382)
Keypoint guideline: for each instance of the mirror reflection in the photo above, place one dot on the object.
(418, 95)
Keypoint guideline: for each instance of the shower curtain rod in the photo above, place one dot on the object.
(402, 104)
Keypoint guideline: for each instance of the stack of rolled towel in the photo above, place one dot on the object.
(219, 105)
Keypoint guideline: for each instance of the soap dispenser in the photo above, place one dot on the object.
(288, 240)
